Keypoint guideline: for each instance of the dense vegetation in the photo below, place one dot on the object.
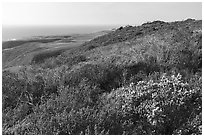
(143, 80)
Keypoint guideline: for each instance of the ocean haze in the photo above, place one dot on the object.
(23, 32)
(97, 13)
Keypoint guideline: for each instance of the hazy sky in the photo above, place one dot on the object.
(96, 13)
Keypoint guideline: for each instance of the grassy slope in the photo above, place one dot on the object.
(15, 43)
(167, 45)
(25, 52)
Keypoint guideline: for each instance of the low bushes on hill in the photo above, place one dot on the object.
(143, 80)
(168, 105)
(40, 57)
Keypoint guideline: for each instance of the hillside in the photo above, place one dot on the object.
(26, 51)
(144, 80)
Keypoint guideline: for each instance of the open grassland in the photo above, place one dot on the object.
(36, 50)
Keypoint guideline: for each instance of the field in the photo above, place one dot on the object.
(28, 51)
(135, 80)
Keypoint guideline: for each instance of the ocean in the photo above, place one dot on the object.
(23, 32)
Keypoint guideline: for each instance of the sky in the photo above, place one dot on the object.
(115, 13)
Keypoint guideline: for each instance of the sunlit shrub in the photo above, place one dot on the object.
(162, 106)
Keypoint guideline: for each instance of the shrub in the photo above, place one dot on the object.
(158, 107)
(12, 88)
(106, 77)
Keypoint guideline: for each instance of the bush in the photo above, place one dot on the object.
(106, 77)
(158, 107)
(12, 88)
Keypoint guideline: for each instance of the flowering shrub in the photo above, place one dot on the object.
(162, 105)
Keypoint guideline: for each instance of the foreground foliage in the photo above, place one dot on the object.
(166, 105)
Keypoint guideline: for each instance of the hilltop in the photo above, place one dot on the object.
(142, 80)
